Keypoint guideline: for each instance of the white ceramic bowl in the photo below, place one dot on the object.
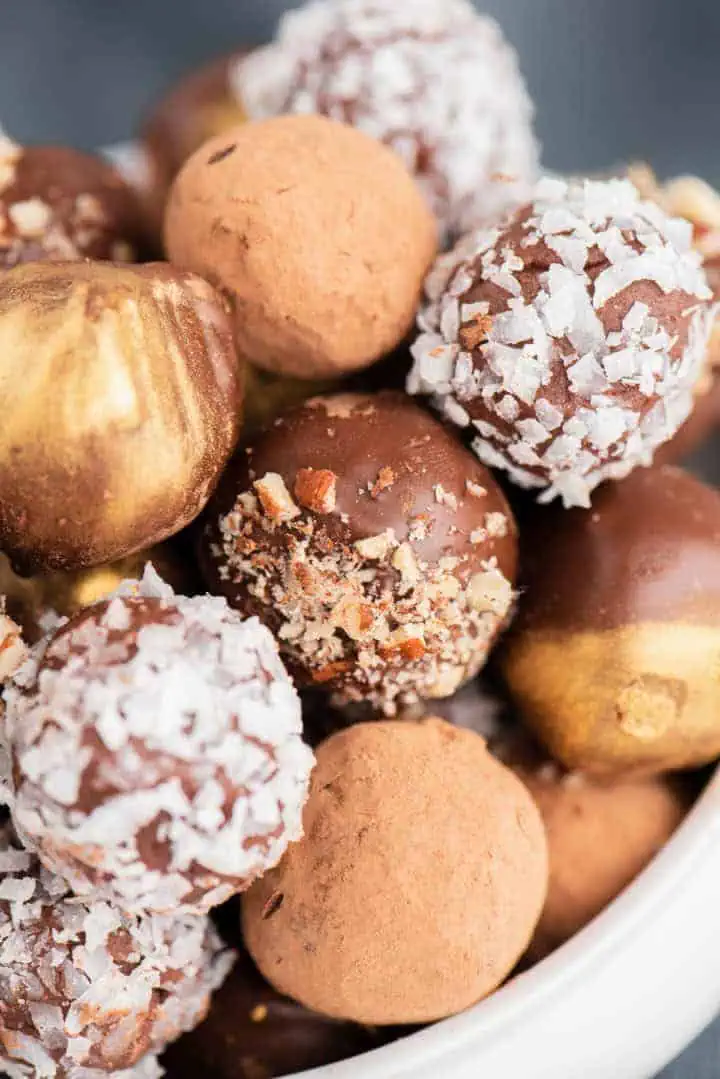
(618, 1001)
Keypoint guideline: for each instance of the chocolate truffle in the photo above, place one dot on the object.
(570, 338)
(433, 79)
(155, 752)
(252, 1032)
(127, 411)
(317, 234)
(57, 203)
(600, 838)
(612, 657)
(200, 105)
(85, 989)
(417, 886)
(373, 544)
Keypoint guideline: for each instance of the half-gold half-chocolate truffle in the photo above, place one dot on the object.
(417, 884)
(612, 659)
(121, 399)
(317, 233)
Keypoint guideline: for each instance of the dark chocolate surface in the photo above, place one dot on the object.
(647, 550)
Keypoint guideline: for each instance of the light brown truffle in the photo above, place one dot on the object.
(317, 233)
(418, 883)
(600, 837)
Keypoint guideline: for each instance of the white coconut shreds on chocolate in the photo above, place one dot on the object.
(432, 78)
(85, 989)
(156, 753)
(570, 339)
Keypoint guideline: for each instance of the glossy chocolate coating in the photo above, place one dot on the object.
(612, 659)
(356, 441)
(252, 1032)
(647, 551)
(87, 208)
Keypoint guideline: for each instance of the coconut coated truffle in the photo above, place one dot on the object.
(417, 886)
(373, 544)
(369, 63)
(57, 203)
(600, 838)
(571, 338)
(315, 232)
(155, 752)
(85, 989)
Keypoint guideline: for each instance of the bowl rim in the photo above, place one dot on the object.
(669, 871)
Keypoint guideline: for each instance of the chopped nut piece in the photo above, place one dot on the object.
(404, 561)
(331, 670)
(259, 1013)
(375, 546)
(316, 489)
(354, 617)
(30, 217)
(490, 591)
(496, 525)
(475, 489)
(445, 498)
(385, 479)
(275, 497)
(407, 641)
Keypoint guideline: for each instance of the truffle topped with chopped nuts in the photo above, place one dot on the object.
(571, 338)
(57, 203)
(84, 987)
(374, 545)
(369, 63)
(155, 751)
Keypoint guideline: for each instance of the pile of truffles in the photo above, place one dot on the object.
(358, 629)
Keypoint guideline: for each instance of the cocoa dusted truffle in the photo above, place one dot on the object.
(316, 233)
(373, 544)
(127, 411)
(155, 752)
(252, 1032)
(571, 338)
(417, 886)
(600, 838)
(57, 203)
(433, 79)
(85, 989)
(612, 657)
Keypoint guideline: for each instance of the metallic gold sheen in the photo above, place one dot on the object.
(639, 699)
(121, 399)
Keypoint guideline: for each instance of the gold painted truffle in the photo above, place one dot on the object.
(316, 232)
(121, 397)
(612, 658)
(417, 884)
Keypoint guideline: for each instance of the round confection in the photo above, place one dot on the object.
(252, 1032)
(128, 411)
(570, 339)
(195, 108)
(58, 203)
(316, 233)
(155, 750)
(417, 886)
(612, 657)
(373, 544)
(600, 838)
(85, 989)
(369, 63)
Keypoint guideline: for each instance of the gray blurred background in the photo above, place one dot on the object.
(613, 80)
